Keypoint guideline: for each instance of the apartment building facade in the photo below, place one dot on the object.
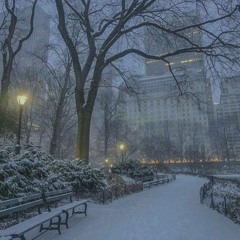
(227, 119)
(179, 102)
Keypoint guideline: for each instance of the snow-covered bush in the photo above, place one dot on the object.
(6, 154)
(134, 169)
(34, 171)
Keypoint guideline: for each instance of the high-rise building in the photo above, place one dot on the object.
(159, 43)
(158, 107)
(227, 119)
(34, 48)
(187, 118)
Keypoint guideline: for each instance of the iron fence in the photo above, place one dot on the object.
(226, 204)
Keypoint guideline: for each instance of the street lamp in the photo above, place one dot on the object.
(110, 169)
(21, 102)
(122, 147)
(106, 162)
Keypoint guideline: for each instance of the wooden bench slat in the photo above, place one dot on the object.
(58, 192)
(58, 197)
(19, 200)
(19, 208)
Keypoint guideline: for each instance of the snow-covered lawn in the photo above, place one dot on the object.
(166, 212)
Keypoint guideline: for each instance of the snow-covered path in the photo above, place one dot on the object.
(167, 212)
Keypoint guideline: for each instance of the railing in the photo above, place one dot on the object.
(111, 193)
(114, 192)
(226, 204)
(203, 191)
(159, 181)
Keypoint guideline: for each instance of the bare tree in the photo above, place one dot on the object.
(64, 91)
(226, 133)
(195, 150)
(160, 145)
(181, 137)
(108, 101)
(12, 39)
(106, 24)
(57, 99)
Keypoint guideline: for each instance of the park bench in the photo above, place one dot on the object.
(54, 196)
(14, 206)
(157, 182)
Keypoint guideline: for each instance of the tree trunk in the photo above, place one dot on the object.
(5, 82)
(83, 135)
(106, 137)
(54, 144)
(55, 136)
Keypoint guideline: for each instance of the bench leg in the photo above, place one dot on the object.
(22, 237)
(41, 228)
(59, 224)
(67, 217)
(85, 210)
(50, 223)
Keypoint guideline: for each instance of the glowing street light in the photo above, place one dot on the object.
(106, 161)
(21, 102)
(122, 146)
(122, 149)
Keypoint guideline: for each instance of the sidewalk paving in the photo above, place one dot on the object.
(167, 212)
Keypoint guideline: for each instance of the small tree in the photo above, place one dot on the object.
(108, 102)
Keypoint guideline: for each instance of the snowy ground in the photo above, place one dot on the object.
(166, 212)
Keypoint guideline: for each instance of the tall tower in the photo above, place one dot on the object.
(36, 47)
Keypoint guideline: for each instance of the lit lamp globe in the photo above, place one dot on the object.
(121, 146)
(21, 100)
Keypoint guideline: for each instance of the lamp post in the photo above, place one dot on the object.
(21, 101)
(110, 169)
(122, 147)
(106, 163)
